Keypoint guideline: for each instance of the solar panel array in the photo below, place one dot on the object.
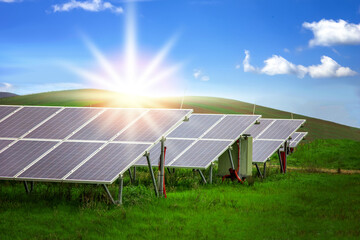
(201, 140)
(296, 138)
(270, 135)
(92, 145)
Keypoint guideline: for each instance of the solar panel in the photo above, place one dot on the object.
(152, 125)
(201, 154)
(173, 148)
(64, 123)
(77, 144)
(6, 110)
(24, 120)
(231, 127)
(21, 154)
(281, 129)
(108, 124)
(296, 138)
(256, 129)
(263, 149)
(198, 126)
(60, 161)
(107, 164)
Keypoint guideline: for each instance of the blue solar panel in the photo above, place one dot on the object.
(231, 127)
(20, 155)
(256, 129)
(64, 123)
(4, 143)
(5, 110)
(60, 161)
(197, 125)
(24, 120)
(281, 129)
(152, 125)
(263, 149)
(107, 164)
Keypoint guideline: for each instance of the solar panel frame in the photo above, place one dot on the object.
(302, 121)
(300, 136)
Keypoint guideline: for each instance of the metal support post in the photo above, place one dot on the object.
(239, 149)
(109, 194)
(264, 175)
(284, 161)
(231, 160)
(134, 173)
(280, 160)
(121, 185)
(211, 173)
(130, 175)
(202, 176)
(258, 170)
(152, 173)
(162, 169)
(168, 169)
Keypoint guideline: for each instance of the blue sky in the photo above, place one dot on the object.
(298, 56)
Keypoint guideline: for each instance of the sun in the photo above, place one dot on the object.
(131, 72)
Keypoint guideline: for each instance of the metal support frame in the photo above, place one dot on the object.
(162, 169)
(231, 160)
(258, 170)
(202, 176)
(264, 174)
(211, 173)
(134, 173)
(121, 185)
(130, 175)
(286, 148)
(28, 191)
(152, 174)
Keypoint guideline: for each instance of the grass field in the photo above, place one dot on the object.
(298, 205)
(318, 129)
(291, 206)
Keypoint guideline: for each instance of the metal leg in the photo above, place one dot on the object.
(162, 168)
(231, 160)
(202, 176)
(258, 170)
(280, 160)
(211, 173)
(121, 185)
(168, 169)
(152, 174)
(130, 175)
(109, 194)
(26, 187)
(264, 175)
(134, 174)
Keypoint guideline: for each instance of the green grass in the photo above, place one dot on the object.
(292, 206)
(317, 128)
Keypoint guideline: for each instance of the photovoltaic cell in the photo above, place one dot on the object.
(296, 138)
(4, 143)
(64, 123)
(201, 154)
(231, 127)
(263, 149)
(198, 124)
(256, 129)
(24, 120)
(107, 164)
(60, 161)
(281, 129)
(173, 148)
(4, 111)
(108, 124)
(21, 154)
(152, 125)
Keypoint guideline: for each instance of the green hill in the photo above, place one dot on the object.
(317, 128)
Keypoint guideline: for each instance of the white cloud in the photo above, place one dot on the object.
(4, 87)
(330, 33)
(277, 65)
(199, 74)
(89, 5)
(329, 68)
(286, 50)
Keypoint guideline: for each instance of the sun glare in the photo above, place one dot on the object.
(131, 73)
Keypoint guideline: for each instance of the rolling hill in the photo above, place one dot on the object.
(317, 128)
